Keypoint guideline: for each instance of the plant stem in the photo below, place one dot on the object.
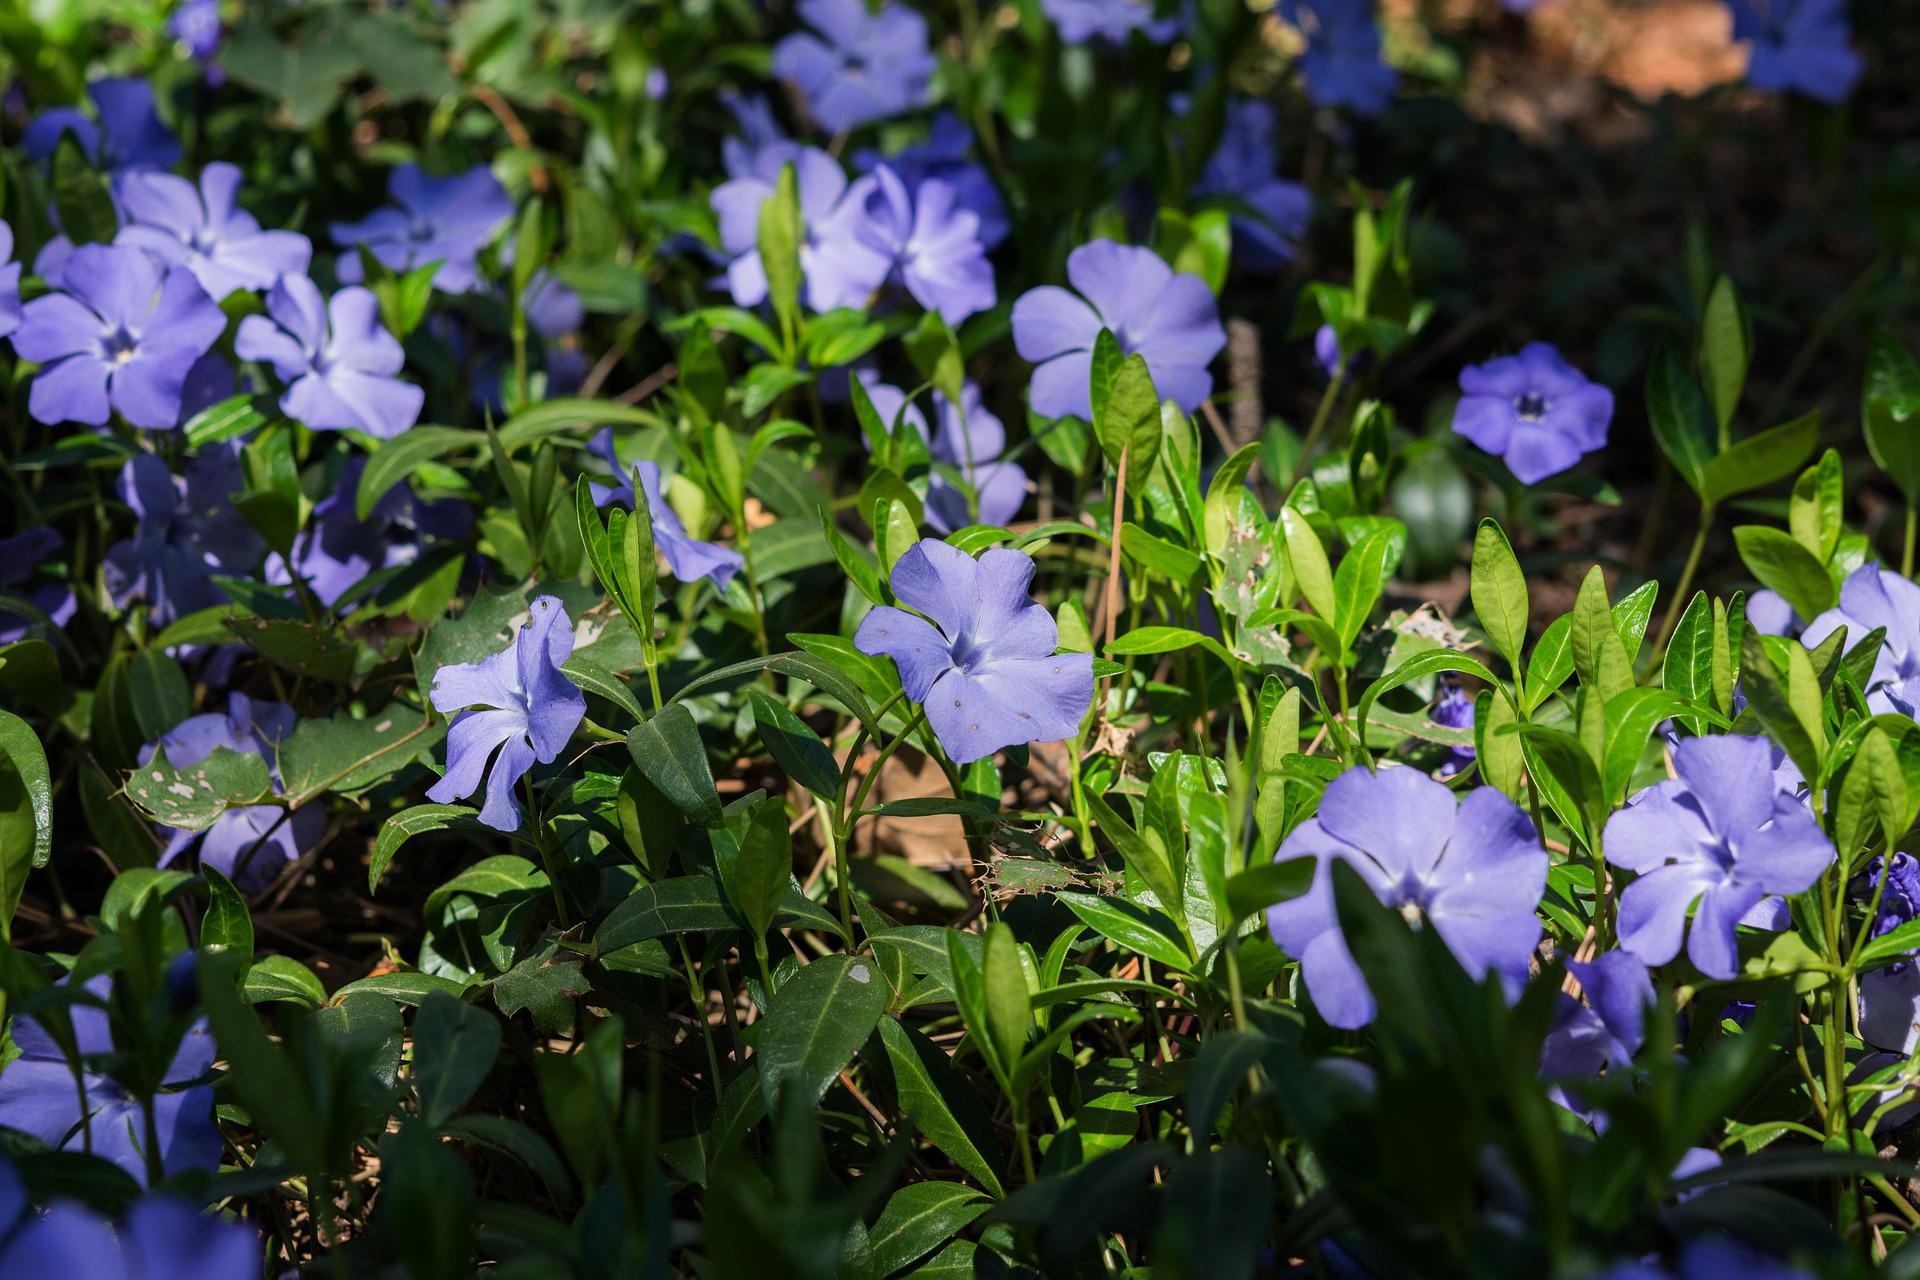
(1906, 548)
(698, 990)
(1321, 413)
(1678, 602)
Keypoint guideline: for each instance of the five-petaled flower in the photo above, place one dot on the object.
(338, 551)
(1474, 871)
(129, 134)
(979, 653)
(188, 530)
(1802, 46)
(39, 1095)
(857, 64)
(931, 243)
(945, 155)
(121, 334)
(1722, 834)
(840, 269)
(524, 709)
(1168, 319)
(1342, 64)
(205, 231)
(970, 440)
(1533, 409)
(161, 1237)
(336, 358)
(445, 220)
(688, 558)
(1873, 597)
(1602, 1029)
(1243, 169)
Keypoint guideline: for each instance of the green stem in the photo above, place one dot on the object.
(1321, 413)
(1906, 549)
(698, 990)
(1679, 600)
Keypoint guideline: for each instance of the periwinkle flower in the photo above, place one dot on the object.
(1244, 169)
(205, 231)
(978, 653)
(196, 24)
(161, 1238)
(250, 844)
(1533, 409)
(1079, 21)
(39, 1096)
(1890, 996)
(337, 550)
(1474, 871)
(335, 357)
(9, 283)
(20, 555)
(524, 710)
(1801, 46)
(759, 132)
(1342, 63)
(946, 155)
(841, 270)
(120, 335)
(1721, 834)
(970, 438)
(1168, 319)
(1870, 598)
(1602, 1030)
(188, 530)
(445, 220)
(931, 244)
(1708, 1257)
(1454, 709)
(688, 558)
(857, 64)
(130, 133)
(1769, 613)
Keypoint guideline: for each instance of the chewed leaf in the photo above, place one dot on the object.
(194, 796)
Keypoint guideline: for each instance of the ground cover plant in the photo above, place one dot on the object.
(1199, 638)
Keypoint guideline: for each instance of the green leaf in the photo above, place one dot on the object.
(596, 679)
(814, 1024)
(1425, 663)
(568, 413)
(941, 1104)
(1566, 776)
(682, 904)
(1170, 640)
(1783, 565)
(1144, 858)
(313, 650)
(1129, 423)
(781, 233)
(820, 673)
(1499, 592)
(193, 798)
(1499, 755)
(935, 352)
(454, 1045)
(1599, 655)
(1147, 933)
(763, 870)
(1632, 716)
(227, 420)
(1815, 513)
(227, 923)
(1251, 892)
(1688, 667)
(405, 825)
(1308, 558)
(796, 748)
(1358, 582)
(343, 754)
(545, 985)
(396, 459)
(1779, 703)
(1889, 405)
(1761, 460)
(1224, 492)
(1004, 999)
(271, 978)
(1723, 350)
(1550, 663)
(1680, 419)
(669, 752)
(919, 1218)
(31, 782)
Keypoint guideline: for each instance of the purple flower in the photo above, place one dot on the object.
(553, 308)
(689, 559)
(247, 845)
(857, 65)
(1603, 1031)
(1709, 1258)
(1474, 872)
(1874, 597)
(39, 1096)
(1079, 21)
(120, 335)
(205, 231)
(1533, 409)
(1890, 996)
(20, 555)
(1798, 46)
(1720, 833)
(527, 710)
(444, 220)
(1243, 169)
(196, 24)
(188, 531)
(1342, 63)
(130, 133)
(971, 439)
(162, 1238)
(1169, 319)
(1769, 613)
(759, 132)
(931, 244)
(337, 551)
(1454, 710)
(946, 155)
(9, 283)
(336, 358)
(840, 269)
(984, 667)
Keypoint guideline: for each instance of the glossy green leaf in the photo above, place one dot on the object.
(814, 1024)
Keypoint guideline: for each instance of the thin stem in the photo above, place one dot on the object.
(1906, 548)
(1321, 413)
(1679, 599)
(698, 990)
